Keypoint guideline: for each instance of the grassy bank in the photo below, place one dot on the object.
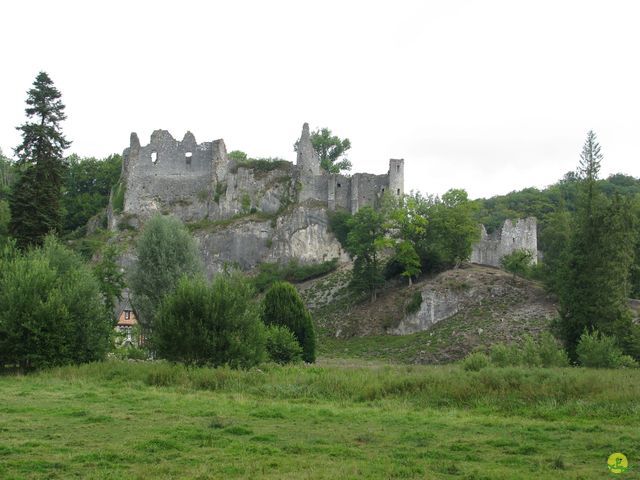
(346, 420)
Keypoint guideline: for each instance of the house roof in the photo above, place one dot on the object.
(127, 322)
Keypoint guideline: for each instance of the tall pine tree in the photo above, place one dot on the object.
(595, 278)
(36, 196)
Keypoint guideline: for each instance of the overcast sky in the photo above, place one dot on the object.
(490, 96)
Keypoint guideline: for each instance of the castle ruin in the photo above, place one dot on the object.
(271, 211)
(514, 235)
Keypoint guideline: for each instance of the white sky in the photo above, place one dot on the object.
(490, 96)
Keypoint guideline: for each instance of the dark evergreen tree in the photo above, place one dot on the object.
(595, 278)
(36, 198)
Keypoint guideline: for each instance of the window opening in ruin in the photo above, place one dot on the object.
(398, 168)
(383, 190)
(127, 314)
(398, 192)
(187, 157)
(514, 239)
(154, 157)
(339, 185)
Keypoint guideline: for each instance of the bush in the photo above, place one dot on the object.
(505, 355)
(117, 201)
(283, 306)
(596, 350)
(291, 272)
(550, 352)
(414, 304)
(282, 345)
(545, 352)
(165, 252)
(217, 324)
(475, 362)
(51, 310)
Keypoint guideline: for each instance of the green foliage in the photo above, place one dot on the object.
(414, 304)
(596, 350)
(283, 306)
(245, 203)
(5, 218)
(118, 197)
(237, 155)
(259, 165)
(217, 324)
(451, 231)
(365, 240)
(221, 189)
(87, 184)
(339, 225)
(475, 362)
(282, 345)
(36, 196)
(165, 252)
(291, 272)
(409, 260)
(51, 311)
(517, 262)
(545, 352)
(110, 276)
(593, 281)
(7, 176)
(331, 149)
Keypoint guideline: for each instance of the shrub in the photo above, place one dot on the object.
(596, 350)
(414, 304)
(545, 352)
(475, 362)
(517, 262)
(282, 345)
(504, 355)
(51, 310)
(213, 324)
(165, 252)
(118, 197)
(291, 272)
(551, 354)
(283, 306)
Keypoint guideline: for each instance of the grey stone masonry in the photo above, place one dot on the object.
(521, 234)
(275, 212)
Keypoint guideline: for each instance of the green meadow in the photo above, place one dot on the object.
(339, 419)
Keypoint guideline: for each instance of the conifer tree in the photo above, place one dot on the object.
(36, 196)
(595, 287)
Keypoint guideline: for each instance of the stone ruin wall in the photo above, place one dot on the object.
(198, 182)
(521, 234)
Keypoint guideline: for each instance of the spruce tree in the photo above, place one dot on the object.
(595, 287)
(36, 196)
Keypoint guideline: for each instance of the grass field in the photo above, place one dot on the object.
(337, 420)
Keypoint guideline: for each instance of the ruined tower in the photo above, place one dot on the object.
(307, 160)
(396, 176)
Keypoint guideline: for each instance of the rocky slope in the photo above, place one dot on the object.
(436, 320)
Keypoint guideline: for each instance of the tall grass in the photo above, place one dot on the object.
(547, 393)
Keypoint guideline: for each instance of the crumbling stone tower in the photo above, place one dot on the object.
(338, 191)
(308, 161)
